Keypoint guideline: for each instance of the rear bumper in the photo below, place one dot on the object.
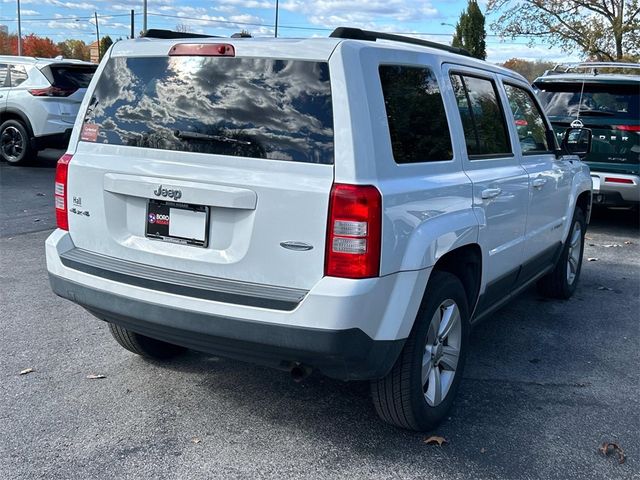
(614, 193)
(55, 140)
(347, 329)
(344, 354)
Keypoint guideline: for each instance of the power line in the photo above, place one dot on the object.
(251, 24)
(39, 19)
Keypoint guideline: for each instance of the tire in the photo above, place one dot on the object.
(144, 346)
(562, 281)
(402, 398)
(15, 143)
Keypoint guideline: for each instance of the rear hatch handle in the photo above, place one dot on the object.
(197, 193)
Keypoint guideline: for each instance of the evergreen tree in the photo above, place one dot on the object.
(105, 43)
(470, 33)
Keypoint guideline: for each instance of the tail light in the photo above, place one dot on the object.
(618, 180)
(52, 92)
(60, 192)
(354, 232)
(628, 128)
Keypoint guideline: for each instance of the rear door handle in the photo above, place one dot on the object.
(539, 183)
(491, 193)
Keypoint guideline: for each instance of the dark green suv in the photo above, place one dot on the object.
(604, 97)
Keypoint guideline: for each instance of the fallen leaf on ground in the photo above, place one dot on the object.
(606, 288)
(435, 439)
(26, 370)
(93, 376)
(592, 259)
(588, 237)
(40, 194)
(612, 447)
(482, 450)
(195, 440)
(628, 242)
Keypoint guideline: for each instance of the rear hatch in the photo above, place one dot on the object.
(610, 109)
(69, 83)
(207, 165)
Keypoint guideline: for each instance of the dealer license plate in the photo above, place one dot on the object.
(181, 223)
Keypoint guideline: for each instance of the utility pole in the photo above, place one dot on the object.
(19, 32)
(98, 35)
(144, 16)
(133, 32)
(276, 18)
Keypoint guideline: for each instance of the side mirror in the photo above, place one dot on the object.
(577, 141)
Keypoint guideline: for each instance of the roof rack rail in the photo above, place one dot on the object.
(358, 34)
(592, 67)
(170, 34)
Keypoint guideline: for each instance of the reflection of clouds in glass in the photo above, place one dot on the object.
(282, 107)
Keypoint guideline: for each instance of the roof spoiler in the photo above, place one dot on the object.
(171, 34)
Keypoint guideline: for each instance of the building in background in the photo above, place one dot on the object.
(4, 29)
(94, 49)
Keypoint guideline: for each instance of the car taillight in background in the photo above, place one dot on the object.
(60, 191)
(52, 92)
(628, 128)
(354, 231)
(618, 180)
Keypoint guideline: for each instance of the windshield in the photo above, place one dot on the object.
(261, 108)
(621, 101)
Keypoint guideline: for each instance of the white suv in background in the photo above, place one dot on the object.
(353, 204)
(39, 101)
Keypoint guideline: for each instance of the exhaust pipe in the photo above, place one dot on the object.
(299, 372)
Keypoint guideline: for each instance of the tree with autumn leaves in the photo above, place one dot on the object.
(36, 46)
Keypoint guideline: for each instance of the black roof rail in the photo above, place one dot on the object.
(358, 34)
(170, 34)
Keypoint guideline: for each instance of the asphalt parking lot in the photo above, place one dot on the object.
(546, 383)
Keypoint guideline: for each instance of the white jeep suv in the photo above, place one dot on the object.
(39, 101)
(353, 204)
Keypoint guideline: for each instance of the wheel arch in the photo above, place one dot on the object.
(464, 262)
(13, 114)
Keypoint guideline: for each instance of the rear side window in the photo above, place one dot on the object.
(485, 129)
(249, 107)
(18, 75)
(415, 111)
(532, 131)
(69, 76)
(4, 70)
(603, 100)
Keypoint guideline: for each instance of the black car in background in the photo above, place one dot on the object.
(604, 97)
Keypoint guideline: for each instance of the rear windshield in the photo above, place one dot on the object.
(250, 107)
(619, 101)
(69, 76)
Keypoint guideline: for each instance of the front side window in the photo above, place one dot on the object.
(247, 107)
(18, 75)
(415, 111)
(532, 131)
(485, 129)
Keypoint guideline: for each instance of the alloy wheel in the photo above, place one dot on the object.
(575, 252)
(12, 143)
(441, 353)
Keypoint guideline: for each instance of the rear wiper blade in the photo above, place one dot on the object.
(205, 136)
(596, 113)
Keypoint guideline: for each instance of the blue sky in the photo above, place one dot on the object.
(61, 19)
